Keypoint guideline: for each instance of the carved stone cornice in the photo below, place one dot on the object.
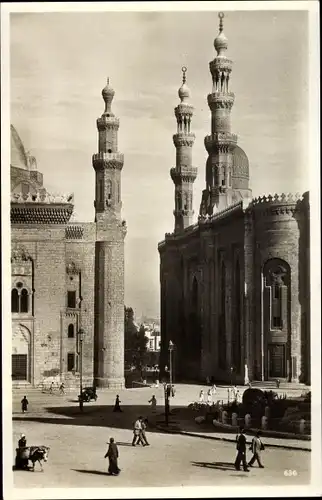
(20, 253)
(221, 100)
(183, 109)
(112, 161)
(184, 139)
(72, 269)
(222, 142)
(220, 64)
(107, 122)
(183, 174)
(74, 232)
(40, 214)
(41, 197)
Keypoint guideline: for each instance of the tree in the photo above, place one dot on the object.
(139, 348)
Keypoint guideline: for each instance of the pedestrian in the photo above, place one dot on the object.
(201, 397)
(137, 432)
(112, 455)
(241, 451)
(21, 461)
(144, 424)
(24, 404)
(214, 390)
(51, 388)
(256, 447)
(117, 404)
(153, 402)
(236, 393)
(62, 388)
(209, 397)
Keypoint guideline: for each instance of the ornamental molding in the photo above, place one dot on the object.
(183, 109)
(73, 269)
(277, 199)
(184, 140)
(220, 64)
(107, 122)
(20, 253)
(40, 214)
(74, 232)
(183, 174)
(42, 197)
(221, 100)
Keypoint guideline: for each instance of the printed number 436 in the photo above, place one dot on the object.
(289, 472)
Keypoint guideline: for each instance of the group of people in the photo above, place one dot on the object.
(211, 393)
(256, 448)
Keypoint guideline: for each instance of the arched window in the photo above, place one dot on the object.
(24, 301)
(276, 273)
(14, 301)
(71, 331)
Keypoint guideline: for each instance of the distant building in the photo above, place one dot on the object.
(67, 275)
(235, 286)
(152, 332)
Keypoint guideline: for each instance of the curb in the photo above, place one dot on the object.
(216, 438)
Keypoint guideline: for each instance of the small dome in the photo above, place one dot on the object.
(19, 156)
(221, 42)
(184, 92)
(240, 163)
(108, 91)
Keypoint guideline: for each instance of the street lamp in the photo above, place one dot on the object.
(171, 346)
(80, 335)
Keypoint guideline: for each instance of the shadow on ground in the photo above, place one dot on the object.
(103, 416)
(215, 465)
(97, 472)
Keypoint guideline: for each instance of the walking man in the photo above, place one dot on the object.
(62, 388)
(144, 424)
(24, 404)
(153, 402)
(256, 447)
(209, 397)
(201, 397)
(51, 388)
(241, 451)
(112, 455)
(117, 404)
(137, 432)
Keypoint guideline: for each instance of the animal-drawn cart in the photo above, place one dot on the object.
(33, 454)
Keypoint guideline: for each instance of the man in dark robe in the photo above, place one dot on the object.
(241, 449)
(117, 404)
(112, 455)
(21, 460)
(24, 404)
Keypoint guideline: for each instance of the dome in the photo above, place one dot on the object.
(108, 92)
(184, 92)
(240, 163)
(19, 156)
(221, 42)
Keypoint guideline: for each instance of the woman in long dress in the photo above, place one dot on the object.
(112, 455)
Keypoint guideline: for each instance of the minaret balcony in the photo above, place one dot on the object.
(107, 121)
(183, 173)
(220, 140)
(221, 100)
(111, 160)
(184, 139)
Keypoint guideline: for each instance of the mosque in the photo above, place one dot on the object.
(235, 285)
(67, 277)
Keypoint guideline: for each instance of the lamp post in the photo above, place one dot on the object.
(80, 335)
(171, 346)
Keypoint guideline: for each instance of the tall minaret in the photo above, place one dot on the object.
(221, 143)
(184, 174)
(109, 254)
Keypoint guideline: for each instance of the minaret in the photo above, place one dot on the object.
(109, 254)
(184, 174)
(221, 143)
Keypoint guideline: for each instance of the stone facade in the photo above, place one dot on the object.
(235, 285)
(67, 276)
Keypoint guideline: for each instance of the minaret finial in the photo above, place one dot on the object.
(108, 80)
(184, 71)
(221, 16)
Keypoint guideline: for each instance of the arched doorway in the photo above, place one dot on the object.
(21, 353)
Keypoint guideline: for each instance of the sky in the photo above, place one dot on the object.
(59, 63)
